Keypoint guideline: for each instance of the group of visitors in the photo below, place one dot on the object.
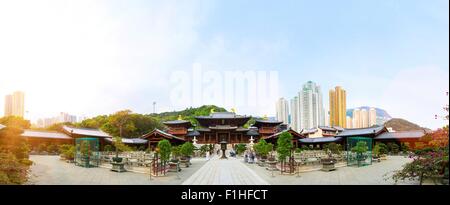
(249, 157)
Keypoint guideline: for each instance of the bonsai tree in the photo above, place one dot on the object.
(120, 147)
(262, 148)
(376, 150)
(187, 149)
(67, 151)
(240, 148)
(42, 147)
(204, 149)
(108, 148)
(52, 148)
(284, 147)
(360, 149)
(165, 148)
(333, 147)
(176, 153)
(383, 149)
(393, 148)
(304, 147)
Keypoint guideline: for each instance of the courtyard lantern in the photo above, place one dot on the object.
(223, 145)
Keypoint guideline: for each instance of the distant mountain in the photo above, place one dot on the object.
(399, 124)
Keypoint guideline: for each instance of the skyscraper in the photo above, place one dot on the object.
(282, 110)
(295, 124)
(356, 118)
(311, 110)
(372, 117)
(15, 104)
(364, 118)
(338, 107)
(8, 105)
(349, 122)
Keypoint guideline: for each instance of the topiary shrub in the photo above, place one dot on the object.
(187, 149)
(240, 148)
(108, 148)
(393, 148)
(52, 149)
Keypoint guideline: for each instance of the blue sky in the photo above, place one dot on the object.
(389, 54)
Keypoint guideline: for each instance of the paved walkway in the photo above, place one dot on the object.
(229, 171)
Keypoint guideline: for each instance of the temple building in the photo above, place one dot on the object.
(216, 128)
(35, 138)
(74, 133)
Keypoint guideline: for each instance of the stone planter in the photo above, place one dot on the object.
(262, 162)
(272, 165)
(118, 167)
(328, 164)
(173, 167)
(185, 161)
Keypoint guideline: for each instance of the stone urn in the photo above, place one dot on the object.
(328, 164)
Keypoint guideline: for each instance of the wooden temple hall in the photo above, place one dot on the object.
(216, 128)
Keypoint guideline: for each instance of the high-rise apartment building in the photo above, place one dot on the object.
(283, 110)
(338, 107)
(349, 122)
(364, 118)
(8, 105)
(356, 118)
(61, 118)
(294, 123)
(311, 110)
(372, 117)
(15, 104)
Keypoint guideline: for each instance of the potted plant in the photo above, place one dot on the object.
(204, 149)
(67, 152)
(175, 153)
(393, 148)
(240, 148)
(165, 148)
(382, 150)
(120, 147)
(186, 150)
(262, 148)
(284, 148)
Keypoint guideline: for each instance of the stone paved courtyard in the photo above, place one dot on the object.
(52, 171)
(368, 175)
(49, 170)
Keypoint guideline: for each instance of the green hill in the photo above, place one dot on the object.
(140, 124)
(188, 113)
(399, 124)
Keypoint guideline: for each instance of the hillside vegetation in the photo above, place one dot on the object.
(399, 124)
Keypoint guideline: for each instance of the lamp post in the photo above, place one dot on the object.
(223, 145)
